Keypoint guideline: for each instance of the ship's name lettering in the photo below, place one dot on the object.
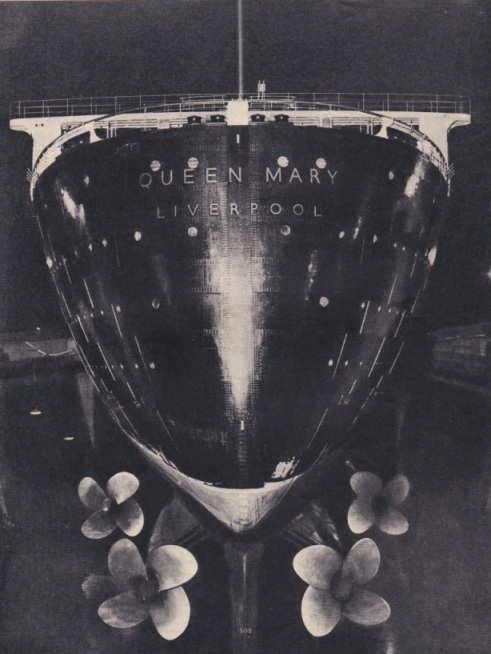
(188, 176)
(233, 209)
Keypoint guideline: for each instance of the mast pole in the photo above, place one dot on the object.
(240, 46)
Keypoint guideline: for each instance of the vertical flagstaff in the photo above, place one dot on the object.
(240, 45)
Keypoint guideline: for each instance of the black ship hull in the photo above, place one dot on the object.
(238, 294)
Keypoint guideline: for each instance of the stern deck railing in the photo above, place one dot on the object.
(453, 104)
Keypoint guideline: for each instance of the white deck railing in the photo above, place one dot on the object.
(456, 104)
